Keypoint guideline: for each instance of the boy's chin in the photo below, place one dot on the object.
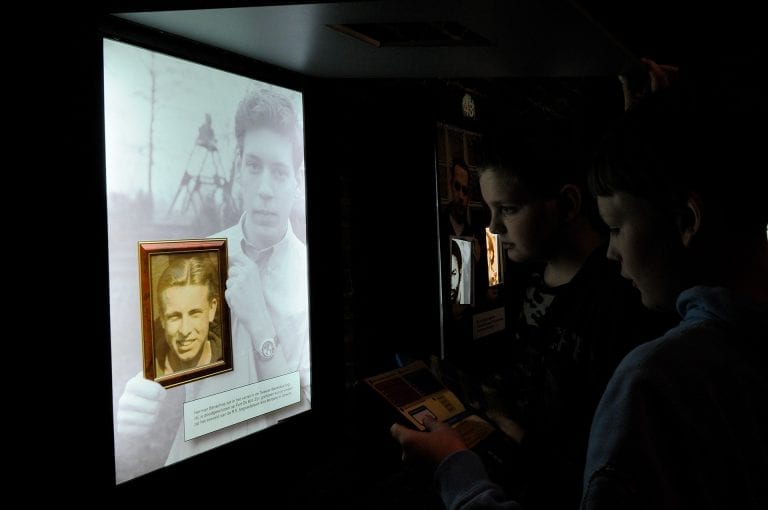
(652, 303)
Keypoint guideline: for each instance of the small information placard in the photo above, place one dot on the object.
(485, 323)
(223, 409)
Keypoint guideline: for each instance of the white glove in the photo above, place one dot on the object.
(139, 406)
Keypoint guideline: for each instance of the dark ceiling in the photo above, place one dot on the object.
(466, 38)
(432, 38)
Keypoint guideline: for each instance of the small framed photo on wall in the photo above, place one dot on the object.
(461, 271)
(494, 258)
(185, 321)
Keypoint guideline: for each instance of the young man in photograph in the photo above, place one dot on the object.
(267, 289)
(187, 294)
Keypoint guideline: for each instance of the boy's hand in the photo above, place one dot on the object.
(434, 445)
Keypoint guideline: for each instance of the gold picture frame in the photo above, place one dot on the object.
(185, 320)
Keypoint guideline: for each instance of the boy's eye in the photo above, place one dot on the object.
(509, 209)
(281, 171)
(254, 164)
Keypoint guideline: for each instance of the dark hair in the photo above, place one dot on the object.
(544, 167)
(456, 251)
(680, 140)
(267, 109)
(183, 271)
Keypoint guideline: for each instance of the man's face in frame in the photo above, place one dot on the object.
(187, 312)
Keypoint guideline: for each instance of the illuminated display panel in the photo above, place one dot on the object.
(194, 153)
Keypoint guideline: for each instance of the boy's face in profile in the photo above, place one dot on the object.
(186, 315)
(526, 225)
(646, 248)
(269, 184)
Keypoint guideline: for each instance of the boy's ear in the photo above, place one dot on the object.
(689, 220)
(569, 202)
(214, 303)
(238, 161)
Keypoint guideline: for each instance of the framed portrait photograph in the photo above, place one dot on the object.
(494, 258)
(462, 270)
(185, 321)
